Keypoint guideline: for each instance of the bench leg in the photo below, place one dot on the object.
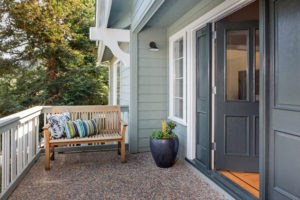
(123, 152)
(119, 148)
(47, 156)
(52, 151)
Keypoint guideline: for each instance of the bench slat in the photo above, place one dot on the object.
(102, 136)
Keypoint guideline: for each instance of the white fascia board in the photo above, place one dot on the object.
(109, 34)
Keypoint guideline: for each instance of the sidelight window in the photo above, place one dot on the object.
(177, 89)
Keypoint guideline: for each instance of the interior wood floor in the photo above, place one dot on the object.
(248, 181)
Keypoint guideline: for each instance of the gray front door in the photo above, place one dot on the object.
(237, 95)
(203, 45)
(283, 164)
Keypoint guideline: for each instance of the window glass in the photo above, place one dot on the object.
(178, 79)
(236, 65)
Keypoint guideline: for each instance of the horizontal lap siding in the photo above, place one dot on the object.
(152, 85)
(124, 85)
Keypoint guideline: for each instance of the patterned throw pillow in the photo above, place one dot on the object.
(57, 124)
(71, 129)
(81, 127)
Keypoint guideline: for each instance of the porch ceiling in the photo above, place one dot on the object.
(120, 14)
(101, 175)
(171, 11)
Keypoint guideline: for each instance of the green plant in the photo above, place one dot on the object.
(166, 132)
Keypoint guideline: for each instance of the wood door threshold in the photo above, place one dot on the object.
(248, 181)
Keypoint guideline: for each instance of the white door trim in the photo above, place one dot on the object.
(220, 11)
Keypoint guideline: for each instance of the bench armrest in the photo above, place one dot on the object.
(123, 123)
(123, 128)
(46, 133)
(47, 126)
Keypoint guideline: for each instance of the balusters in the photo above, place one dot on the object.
(13, 140)
(19, 149)
(37, 134)
(19, 143)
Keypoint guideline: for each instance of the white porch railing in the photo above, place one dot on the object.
(20, 143)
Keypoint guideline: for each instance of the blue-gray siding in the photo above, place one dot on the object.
(152, 84)
(124, 85)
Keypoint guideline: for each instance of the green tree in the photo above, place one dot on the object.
(46, 56)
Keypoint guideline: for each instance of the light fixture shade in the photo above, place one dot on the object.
(153, 46)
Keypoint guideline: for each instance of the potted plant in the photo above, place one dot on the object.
(164, 145)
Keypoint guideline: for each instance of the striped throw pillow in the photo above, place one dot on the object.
(90, 127)
(81, 128)
(71, 129)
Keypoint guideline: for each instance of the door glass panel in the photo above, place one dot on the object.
(237, 65)
(257, 61)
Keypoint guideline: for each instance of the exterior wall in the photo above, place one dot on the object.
(153, 77)
(124, 85)
(125, 79)
(152, 85)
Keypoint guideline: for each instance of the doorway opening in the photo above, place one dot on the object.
(236, 113)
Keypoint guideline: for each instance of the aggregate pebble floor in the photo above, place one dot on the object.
(101, 175)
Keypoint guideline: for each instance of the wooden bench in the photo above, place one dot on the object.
(110, 128)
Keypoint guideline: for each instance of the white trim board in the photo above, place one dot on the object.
(220, 11)
(115, 80)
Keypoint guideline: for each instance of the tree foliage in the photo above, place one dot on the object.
(46, 57)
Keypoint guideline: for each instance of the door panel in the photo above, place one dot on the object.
(237, 97)
(203, 45)
(284, 128)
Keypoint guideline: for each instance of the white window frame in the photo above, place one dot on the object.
(182, 121)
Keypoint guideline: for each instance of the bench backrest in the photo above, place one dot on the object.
(109, 117)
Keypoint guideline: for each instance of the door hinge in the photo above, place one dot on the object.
(214, 90)
(213, 146)
(214, 35)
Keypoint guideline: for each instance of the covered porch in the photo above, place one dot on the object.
(85, 171)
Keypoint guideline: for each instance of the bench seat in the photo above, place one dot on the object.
(94, 138)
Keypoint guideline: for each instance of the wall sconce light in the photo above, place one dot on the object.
(153, 46)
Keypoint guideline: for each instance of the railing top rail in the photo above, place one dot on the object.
(83, 108)
(18, 116)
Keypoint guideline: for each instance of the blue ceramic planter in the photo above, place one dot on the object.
(164, 151)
